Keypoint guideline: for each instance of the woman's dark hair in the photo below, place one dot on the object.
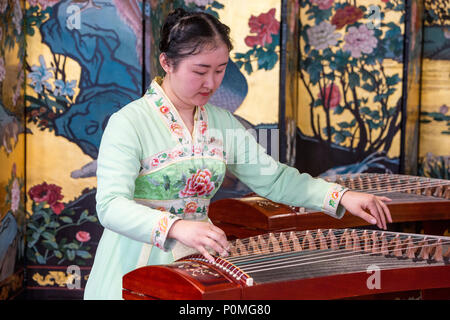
(187, 33)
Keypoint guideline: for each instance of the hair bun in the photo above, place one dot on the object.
(176, 14)
(171, 20)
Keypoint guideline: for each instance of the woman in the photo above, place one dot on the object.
(163, 156)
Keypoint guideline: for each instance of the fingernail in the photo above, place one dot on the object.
(373, 221)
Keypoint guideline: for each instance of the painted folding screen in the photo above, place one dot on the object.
(86, 60)
(434, 140)
(84, 63)
(353, 86)
(12, 149)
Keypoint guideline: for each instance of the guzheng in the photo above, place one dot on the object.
(311, 264)
(413, 199)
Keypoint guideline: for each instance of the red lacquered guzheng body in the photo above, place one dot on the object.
(413, 199)
(312, 264)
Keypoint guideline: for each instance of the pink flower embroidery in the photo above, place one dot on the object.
(264, 26)
(333, 101)
(203, 127)
(175, 154)
(164, 109)
(216, 151)
(196, 149)
(155, 162)
(190, 207)
(177, 129)
(83, 236)
(198, 184)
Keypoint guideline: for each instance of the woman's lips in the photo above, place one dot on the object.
(205, 94)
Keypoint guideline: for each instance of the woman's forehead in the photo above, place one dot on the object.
(209, 57)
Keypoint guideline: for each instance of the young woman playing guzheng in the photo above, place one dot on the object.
(163, 157)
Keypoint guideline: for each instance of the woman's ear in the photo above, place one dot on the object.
(165, 64)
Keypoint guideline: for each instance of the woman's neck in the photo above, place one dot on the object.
(185, 111)
(180, 105)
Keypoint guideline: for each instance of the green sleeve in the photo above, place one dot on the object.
(118, 166)
(250, 163)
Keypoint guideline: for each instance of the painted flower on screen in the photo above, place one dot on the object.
(264, 25)
(15, 196)
(49, 193)
(2, 69)
(346, 16)
(64, 88)
(323, 4)
(43, 3)
(330, 96)
(40, 75)
(360, 40)
(83, 236)
(323, 36)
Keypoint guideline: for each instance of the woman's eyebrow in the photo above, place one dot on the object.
(209, 66)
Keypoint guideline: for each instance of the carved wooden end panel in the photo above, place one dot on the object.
(187, 280)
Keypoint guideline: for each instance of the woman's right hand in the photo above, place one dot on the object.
(200, 236)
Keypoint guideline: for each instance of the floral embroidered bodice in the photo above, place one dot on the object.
(182, 179)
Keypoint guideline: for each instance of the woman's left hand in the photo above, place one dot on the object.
(368, 207)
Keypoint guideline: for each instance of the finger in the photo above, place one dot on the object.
(372, 210)
(218, 230)
(386, 210)
(210, 243)
(385, 199)
(381, 214)
(365, 216)
(206, 254)
(219, 236)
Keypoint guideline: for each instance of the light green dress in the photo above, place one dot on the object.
(152, 172)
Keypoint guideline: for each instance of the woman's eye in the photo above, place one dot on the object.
(220, 71)
(200, 73)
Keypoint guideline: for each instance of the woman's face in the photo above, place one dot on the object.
(197, 77)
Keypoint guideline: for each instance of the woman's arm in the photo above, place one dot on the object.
(118, 165)
(278, 182)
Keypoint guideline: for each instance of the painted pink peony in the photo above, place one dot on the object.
(323, 4)
(49, 193)
(332, 101)
(346, 16)
(264, 26)
(44, 3)
(360, 40)
(83, 236)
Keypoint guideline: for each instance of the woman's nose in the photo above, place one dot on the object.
(209, 82)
